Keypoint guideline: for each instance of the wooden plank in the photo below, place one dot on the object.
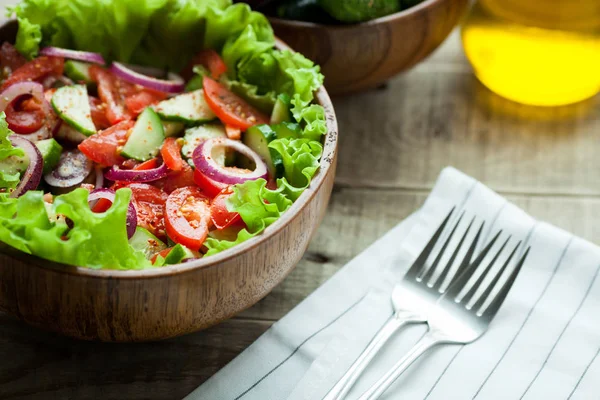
(40, 365)
(438, 114)
(357, 217)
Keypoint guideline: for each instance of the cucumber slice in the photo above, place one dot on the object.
(281, 110)
(51, 151)
(71, 103)
(193, 137)
(14, 165)
(78, 71)
(172, 128)
(68, 133)
(258, 137)
(147, 136)
(146, 242)
(189, 107)
(178, 254)
(287, 130)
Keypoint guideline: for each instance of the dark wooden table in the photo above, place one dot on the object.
(393, 143)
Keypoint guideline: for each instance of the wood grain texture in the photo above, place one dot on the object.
(360, 56)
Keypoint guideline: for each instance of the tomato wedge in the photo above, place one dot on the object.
(210, 187)
(187, 217)
(111, 91)
(171, 154)
(149, 202)
(35, 70)
(176, 179)
(220, 215)
(137, 102)
(230, 108)
(209, 59)
(233, 133)
(104, 146)
(98, 113)
(150, 164)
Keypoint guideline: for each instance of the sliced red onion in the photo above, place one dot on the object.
(33, 174)
(86, 56)
(36, 90)
(175, 84)
(132, 175)
(205, 162)
(109, 195)
(99, 177)
(51, 80)
(73, 167)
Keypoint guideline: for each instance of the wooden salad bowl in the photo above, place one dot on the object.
(153, 304)
(362, 56)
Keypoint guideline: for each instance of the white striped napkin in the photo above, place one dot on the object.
(544, 343)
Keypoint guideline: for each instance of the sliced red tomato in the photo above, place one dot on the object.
(98, 113)
(221, 217)
(176, 179)
(149, 202)
(101, 205)
(187, 217)
(104, 146)
(24, 117)
(233, 133)
(35, 70)
(210, 187)
(171, 154)
(111, 91)
(209, 59)
(137, 102)
(150, 164)
(10, 58)
(231, 109)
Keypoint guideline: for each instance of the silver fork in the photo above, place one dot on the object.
(462, 315)
(412, 298)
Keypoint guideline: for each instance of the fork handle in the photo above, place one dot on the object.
(424, 344)
(343, 386)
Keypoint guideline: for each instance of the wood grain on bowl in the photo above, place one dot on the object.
(361, 56)
(126, 306)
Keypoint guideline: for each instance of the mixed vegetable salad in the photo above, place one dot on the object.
(135, 134)
(332, 11)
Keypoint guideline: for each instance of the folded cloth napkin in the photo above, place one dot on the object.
(543, 344)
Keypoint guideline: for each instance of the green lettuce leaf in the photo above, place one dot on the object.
(249, 92)
(8, 179)
(301, 162)
(97, 240)
(258, 206)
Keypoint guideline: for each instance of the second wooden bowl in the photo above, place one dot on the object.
(362, 56)
(130, 306)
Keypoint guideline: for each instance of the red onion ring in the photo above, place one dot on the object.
(132, 175)
(73, 167)
(36, 90)
(109, 195)
(205, 163)
(175, 84)
(87, 56)
(33, 174)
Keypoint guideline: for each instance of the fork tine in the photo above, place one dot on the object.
(459, 283)
(479, 303)
(492, 309)
(429, 273)
(466, 260)
(486, 270)
(422, 258)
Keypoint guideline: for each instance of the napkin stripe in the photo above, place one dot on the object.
(521, 252)
(587, 293)
(245, 392)
(556, 268)
(585, 371)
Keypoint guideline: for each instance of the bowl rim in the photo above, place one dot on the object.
(366, 24)
(327, 162)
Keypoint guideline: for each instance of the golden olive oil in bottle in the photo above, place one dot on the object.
(538, 52)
